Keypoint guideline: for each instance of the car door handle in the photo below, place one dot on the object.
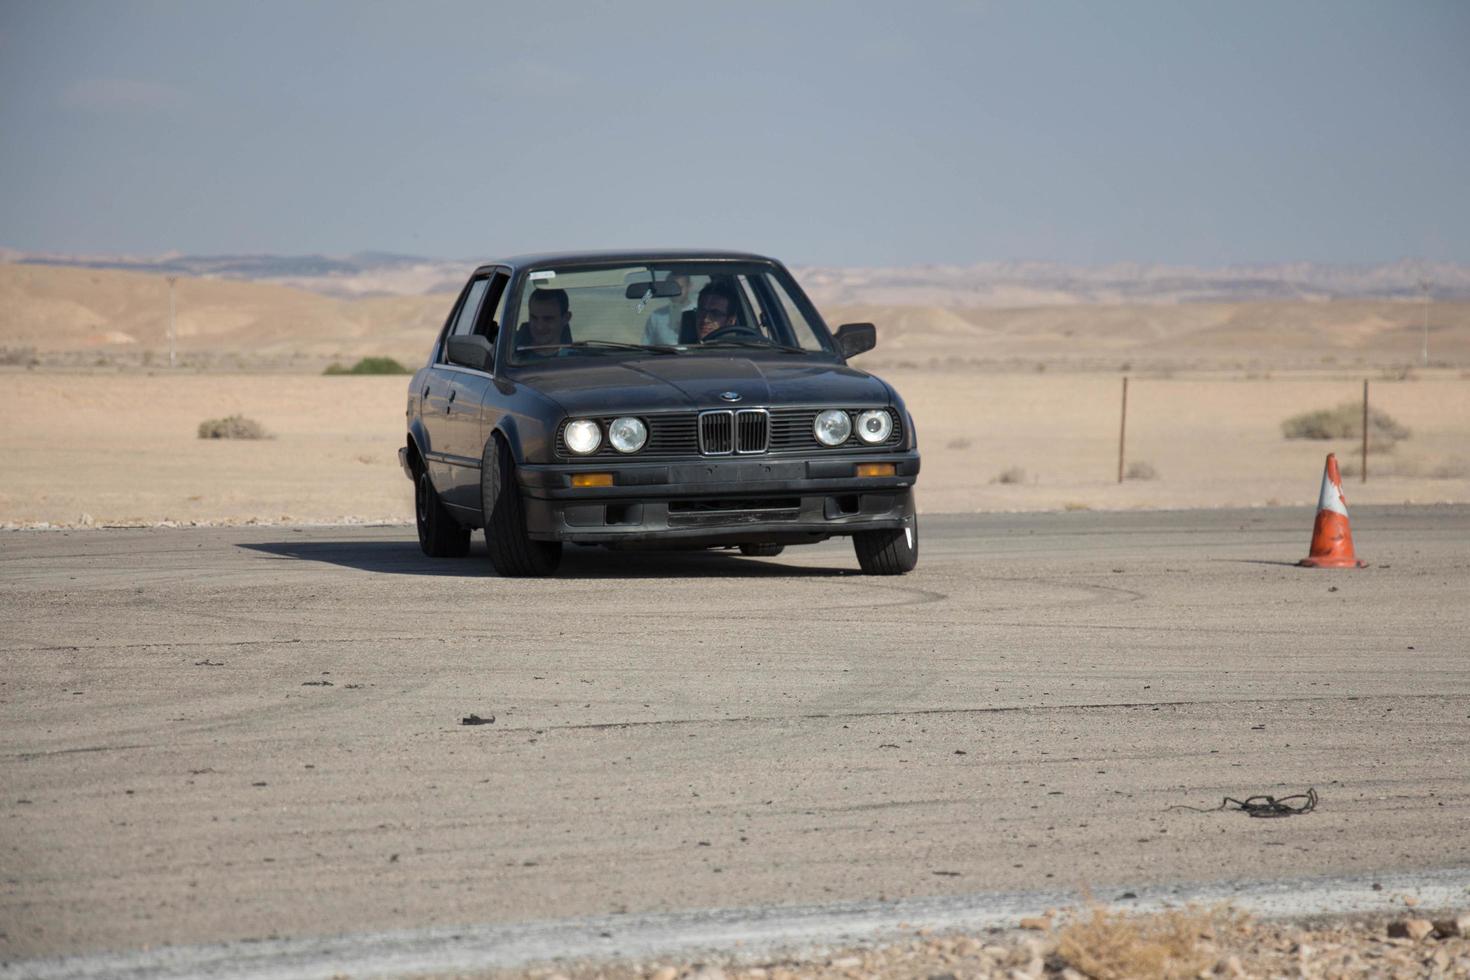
(449, 405)
(426, 391)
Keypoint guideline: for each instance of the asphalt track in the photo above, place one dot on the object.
(254, 733)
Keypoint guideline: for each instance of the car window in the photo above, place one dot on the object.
(481, 310)
(801, 328)
(464, 323)
(493, 305)
(583, 311)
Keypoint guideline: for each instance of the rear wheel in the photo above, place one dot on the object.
(512, 551)
(763, 550)
(891, 552)
(439, 534)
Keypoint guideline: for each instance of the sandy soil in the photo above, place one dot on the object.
(108, 448)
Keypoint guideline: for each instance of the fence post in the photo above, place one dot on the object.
(1122, 428)
(1365, 430)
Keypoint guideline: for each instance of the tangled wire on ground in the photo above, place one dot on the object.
(1263, 806)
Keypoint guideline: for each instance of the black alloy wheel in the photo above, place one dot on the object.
(439, 533)
(512, 551)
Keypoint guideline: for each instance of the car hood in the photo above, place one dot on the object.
(604, 387)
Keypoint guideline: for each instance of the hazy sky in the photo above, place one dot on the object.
(831, 133)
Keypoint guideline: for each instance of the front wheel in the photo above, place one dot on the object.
(439, 533)
(512, 551)
(891, 552)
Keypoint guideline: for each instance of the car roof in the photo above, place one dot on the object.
(616, 256)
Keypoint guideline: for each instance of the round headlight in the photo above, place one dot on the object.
(583, 436)
(832, 427)
(627, 434)
(875, 426)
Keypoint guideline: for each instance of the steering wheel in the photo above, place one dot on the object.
(735, 331)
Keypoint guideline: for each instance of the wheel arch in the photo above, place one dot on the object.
(417, 440)
(508, 429)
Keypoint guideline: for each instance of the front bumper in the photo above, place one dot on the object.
(726, 501)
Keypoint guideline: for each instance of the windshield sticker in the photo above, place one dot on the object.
(543, 274)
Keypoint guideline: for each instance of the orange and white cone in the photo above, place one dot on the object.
(1332, 539)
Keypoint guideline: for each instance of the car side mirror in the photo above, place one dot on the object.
(473, 351)
(854, 338)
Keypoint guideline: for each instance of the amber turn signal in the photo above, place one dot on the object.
(593, 479)
(877, 469)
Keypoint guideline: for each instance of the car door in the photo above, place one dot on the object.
(462, 424)
(438, 392)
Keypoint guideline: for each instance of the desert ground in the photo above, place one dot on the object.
(89, 447)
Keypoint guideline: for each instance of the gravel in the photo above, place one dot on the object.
(1185, 943)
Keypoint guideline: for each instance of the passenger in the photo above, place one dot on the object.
(549, 325)
(717, 308)
(662, 325)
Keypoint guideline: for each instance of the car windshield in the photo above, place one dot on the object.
(669, 308)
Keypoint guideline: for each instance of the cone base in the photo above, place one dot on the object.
(1332, 563)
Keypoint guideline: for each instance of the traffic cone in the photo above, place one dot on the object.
(1332, 539)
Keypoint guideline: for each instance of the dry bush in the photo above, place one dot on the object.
(369, 365)
(1175, 944)
(232, 427)
(19, 356)
(1346, 422)
(960, 443)
(1013, 475)
(1454, 468)
(1141, 470)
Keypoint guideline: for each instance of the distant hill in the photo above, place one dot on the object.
(352, 276)
(992, 284)
(108, 317)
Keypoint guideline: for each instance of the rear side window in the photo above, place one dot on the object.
(464, 323)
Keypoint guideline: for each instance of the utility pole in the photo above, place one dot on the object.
(1424, 285)
(171, 334)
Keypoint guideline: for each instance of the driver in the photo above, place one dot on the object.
(716, 309)
(549, 323)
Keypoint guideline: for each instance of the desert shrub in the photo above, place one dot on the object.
(1173, 944)
(1345, 422)
(1141, 470)
(18, 356)
(1454, 469)
(958, 443)
(369, 365)
(232, 427)
(1013, 475)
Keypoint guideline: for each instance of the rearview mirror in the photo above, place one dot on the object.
(473, 351)
(663, 289)
(854, 338)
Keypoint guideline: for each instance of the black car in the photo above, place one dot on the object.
(661, 399)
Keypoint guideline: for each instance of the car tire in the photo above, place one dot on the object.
(763, 550)
(512, 551)
(439, 533)
(891, 552)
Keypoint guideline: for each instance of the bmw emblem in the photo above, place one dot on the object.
(730, 396)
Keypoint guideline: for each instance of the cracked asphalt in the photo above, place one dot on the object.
(247, 732)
